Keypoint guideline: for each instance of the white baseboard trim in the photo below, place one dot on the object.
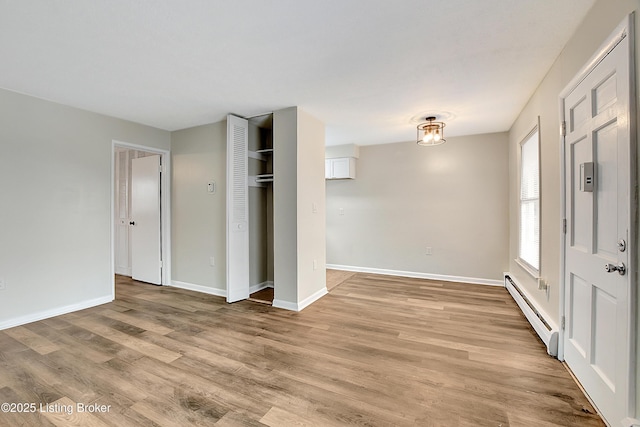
(302, 304)
(59, 311)
(631, 422)
(217, 291)
(417, 275)
(278, 303)
(199, 288)
(539, 320)
(260, 286)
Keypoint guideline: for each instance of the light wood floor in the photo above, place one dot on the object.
(337, 277)
(375, 351)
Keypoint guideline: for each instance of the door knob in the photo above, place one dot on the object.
(620, 268)
(132, 223)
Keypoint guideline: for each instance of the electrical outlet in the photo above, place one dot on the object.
(315, 264)
(212, 261)
(429, 251)
(341, 211)
(3, 285)
(314, 207)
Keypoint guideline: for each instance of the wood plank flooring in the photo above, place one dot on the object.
(336, 277)
(264, 296)
(375, 351)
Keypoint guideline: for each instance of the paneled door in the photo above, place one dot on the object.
(597, 204)
(146, 256)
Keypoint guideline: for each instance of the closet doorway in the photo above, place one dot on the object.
(250, 183)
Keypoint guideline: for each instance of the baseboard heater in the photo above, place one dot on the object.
(547, 333)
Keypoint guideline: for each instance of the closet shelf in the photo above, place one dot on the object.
(266, 177)
(260, 180)
(260, 154)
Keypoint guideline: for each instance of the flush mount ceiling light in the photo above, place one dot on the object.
(431, 133)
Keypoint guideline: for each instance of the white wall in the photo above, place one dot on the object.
(311, 207)
(298, 142)
(346, 150)
(198, 155)
(55, 182)
(452, 198)
(285, 230)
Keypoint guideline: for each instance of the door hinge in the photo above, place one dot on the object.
(562, 322)
(564, 225)
(161, 264)
(563, 128)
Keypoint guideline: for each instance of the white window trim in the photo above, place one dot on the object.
(535, 273)
(528, 268)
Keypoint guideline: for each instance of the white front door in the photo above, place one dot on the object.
(597, 203)
(145, 220)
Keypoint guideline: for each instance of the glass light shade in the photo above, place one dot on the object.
(431, 133)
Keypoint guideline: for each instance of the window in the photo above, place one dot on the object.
(529, 250)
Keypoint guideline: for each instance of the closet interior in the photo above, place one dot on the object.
(260, 201)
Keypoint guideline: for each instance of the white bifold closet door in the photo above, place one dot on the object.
(237, 209)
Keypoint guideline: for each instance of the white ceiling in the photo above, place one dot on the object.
(363, 67)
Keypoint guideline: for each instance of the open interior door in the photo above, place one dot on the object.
(146, 265)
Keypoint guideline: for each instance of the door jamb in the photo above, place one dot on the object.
(165, 207)
(624, 30)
